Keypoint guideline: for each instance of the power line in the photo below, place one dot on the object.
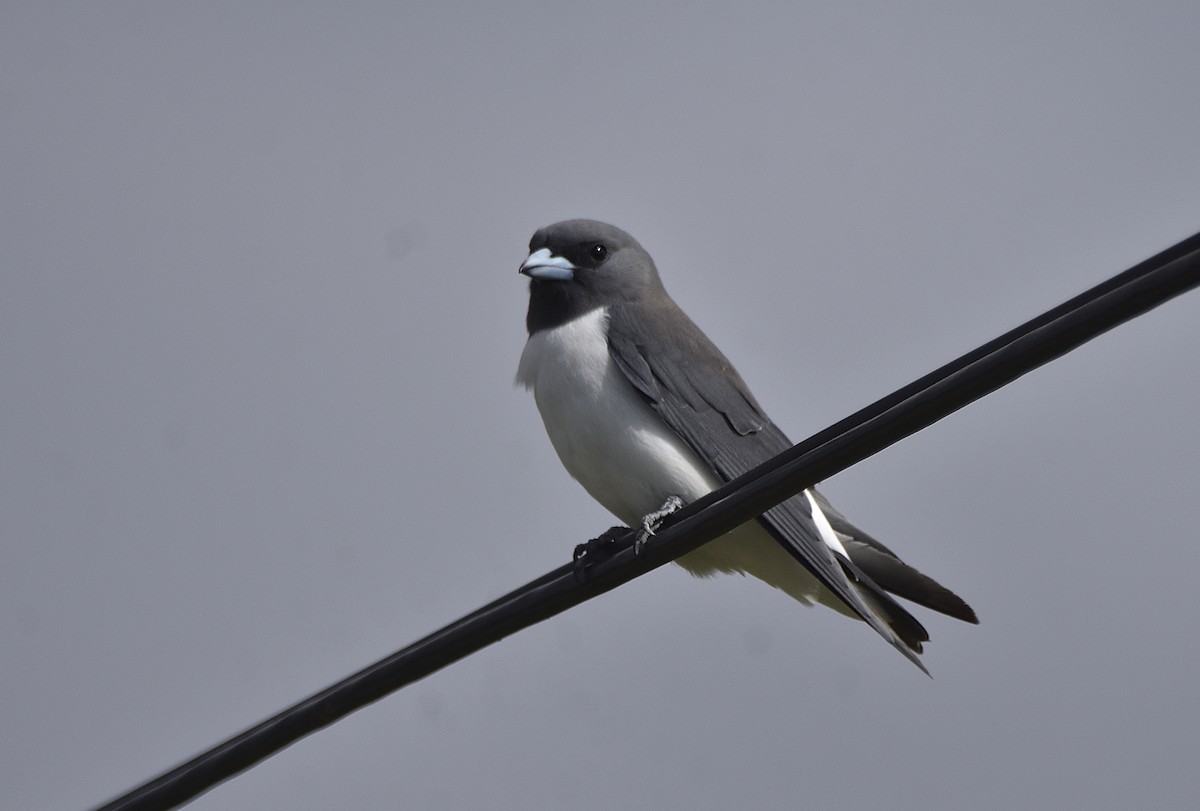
(900, 414)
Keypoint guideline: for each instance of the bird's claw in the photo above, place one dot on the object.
(587, 553)
(652, 521)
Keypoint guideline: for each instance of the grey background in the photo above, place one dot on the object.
(259, 319)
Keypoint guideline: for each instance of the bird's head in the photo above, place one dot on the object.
(576, 266)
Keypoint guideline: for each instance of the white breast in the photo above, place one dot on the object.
(606, 435)
(627, 459)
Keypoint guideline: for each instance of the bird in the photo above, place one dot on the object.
(647, 414)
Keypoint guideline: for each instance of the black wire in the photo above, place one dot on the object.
(1143, 287)
(1155, 265)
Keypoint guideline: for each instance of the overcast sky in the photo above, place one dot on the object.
(260, 317)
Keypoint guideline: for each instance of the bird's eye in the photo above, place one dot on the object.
(598, 253)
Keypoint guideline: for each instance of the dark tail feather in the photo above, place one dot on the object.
(903, 580)
(891, 573)
(903, 624)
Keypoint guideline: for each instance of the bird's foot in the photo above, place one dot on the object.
(653, 521)
(588, 553)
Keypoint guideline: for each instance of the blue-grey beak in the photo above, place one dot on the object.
(546, 267)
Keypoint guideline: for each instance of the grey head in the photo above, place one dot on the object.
(577, 266)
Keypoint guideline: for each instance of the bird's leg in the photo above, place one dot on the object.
(652, 521)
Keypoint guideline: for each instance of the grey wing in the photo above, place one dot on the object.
(696, 391)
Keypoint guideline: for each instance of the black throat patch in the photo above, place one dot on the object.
(554, 303)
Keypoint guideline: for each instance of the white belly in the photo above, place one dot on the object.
(611, 441)
(606, 435)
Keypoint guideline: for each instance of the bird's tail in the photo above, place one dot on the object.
(886, 569)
